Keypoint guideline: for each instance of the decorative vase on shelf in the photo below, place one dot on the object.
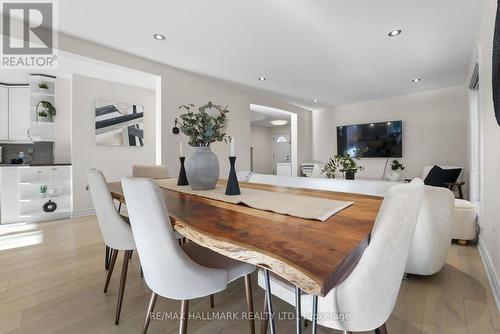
(202, 168)
(393, 176)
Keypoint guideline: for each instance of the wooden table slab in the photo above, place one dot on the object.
(315, 256)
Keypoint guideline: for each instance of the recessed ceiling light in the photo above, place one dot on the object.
(279, 122)
(316, 100)
(416, 80)
(262, 78)
(159, 37)
(395, 33)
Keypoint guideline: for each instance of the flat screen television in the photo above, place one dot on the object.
(377, 140)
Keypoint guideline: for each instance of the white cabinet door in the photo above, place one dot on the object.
(4, 113)
(19, 113)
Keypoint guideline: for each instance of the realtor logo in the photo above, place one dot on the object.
(28, 38)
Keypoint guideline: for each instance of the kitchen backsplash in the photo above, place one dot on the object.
(43, 152)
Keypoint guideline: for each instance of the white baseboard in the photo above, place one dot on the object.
(82, 213)
(490, 271)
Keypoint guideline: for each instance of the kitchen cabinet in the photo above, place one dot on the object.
(19, 113)
(4, 113)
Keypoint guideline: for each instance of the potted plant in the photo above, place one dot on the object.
(43, 190)
(349, 166)
(331, 167)
(43, 85)
(43, 116)
(203, 127)
(396, 166)
(48, 108)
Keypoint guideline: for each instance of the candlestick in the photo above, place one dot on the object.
(180, 149)
(232, 187)
(232, 147)
(182, 180)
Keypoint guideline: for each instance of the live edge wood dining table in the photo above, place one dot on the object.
(313, 255)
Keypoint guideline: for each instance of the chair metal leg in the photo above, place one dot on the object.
(298, 322)
(151, 306)
(114, 254)
(184, 317)
(212, 302)
(123, 279)
(381, 330)
(314, 329)
(248, 292)
(269, 301)
(265, 317)
(107, 256)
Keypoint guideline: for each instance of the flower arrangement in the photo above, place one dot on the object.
(397, 165)
(331, 167)
(349, 164)
(344, 163)
(205, 126)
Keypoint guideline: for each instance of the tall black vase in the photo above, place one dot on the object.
(182, 179)
(232, 187)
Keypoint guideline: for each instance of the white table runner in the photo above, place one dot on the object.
(286, 204)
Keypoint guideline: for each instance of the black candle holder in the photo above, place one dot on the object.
(232, 187)
(182, 180)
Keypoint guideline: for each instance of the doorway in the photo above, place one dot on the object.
(475, 139)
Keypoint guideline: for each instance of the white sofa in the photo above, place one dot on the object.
(432, 237)
(359, 186)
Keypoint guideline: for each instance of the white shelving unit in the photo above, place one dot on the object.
(22, 184)
(41, 130)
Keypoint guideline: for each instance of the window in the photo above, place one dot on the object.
(281, 139)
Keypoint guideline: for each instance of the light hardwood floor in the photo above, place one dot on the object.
(52, 276)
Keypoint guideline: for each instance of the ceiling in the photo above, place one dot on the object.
(262, 116)
(336, 51)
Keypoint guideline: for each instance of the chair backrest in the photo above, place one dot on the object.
(116, 233)
(427, 169)
(149, 171)
(370, 292)
(432, 237)
(168, 271)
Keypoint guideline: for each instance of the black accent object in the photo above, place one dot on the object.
(49, 206)
(232, 187)
(350, 175)
(496, 67)
(182, 180)
(439, 177)
(377, 140)
(175, 130)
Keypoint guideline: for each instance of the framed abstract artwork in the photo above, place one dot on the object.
(119, 124)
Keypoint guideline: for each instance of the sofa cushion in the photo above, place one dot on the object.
(438, 177)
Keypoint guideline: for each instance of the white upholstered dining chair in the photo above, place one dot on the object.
(365, 299)
(432, 237)
(171, 270)
(115, 230)
(150, 171)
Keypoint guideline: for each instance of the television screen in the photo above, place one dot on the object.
(374, 140)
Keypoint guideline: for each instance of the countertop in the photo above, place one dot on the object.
(34, 165)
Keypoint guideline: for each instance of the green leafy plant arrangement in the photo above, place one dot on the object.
(48, 108)
(397, 165)
(43, 85)
(43, 188)
(205, 126)
(331, 167)
(349, 164)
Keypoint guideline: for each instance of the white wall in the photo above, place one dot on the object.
(490, 154)
(182, 87)
(261, 141)
(114, 161)
(434, 129)
(62, 144)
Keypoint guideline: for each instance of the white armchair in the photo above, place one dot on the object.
(432, 237)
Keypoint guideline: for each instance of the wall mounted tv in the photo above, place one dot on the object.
(378, 140)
